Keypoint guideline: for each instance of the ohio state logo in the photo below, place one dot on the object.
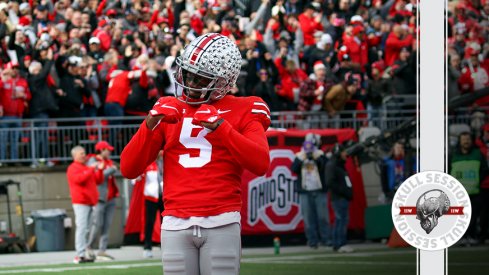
(273, 199)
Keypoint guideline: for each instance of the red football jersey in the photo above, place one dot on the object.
(202, 168)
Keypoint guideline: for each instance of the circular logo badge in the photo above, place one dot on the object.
(431, 210)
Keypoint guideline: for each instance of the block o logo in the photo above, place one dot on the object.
(431, 210)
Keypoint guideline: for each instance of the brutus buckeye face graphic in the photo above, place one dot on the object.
(429, 207)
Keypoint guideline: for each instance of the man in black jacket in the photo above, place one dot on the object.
(43, 103)
(340, 187)
(309, 166)
(73, 87)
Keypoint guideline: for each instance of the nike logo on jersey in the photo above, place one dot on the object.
(222, 112)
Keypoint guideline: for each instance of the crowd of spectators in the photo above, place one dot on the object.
(84, 58)
(468, 48)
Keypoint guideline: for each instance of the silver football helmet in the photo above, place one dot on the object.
(207, 69)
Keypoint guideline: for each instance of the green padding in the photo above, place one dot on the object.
(378, 222)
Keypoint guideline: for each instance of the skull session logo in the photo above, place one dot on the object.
(431, 210)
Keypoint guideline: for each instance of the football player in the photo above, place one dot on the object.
(208, 138)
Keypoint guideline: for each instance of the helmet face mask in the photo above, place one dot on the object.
(207, 69)
(190, 82)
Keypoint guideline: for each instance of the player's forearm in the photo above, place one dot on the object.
(141, 150)
(250, 148)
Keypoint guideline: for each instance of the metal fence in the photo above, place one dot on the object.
(45, 141)
(50, 141)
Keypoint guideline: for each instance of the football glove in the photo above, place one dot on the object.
(205, 113)
(166, 106)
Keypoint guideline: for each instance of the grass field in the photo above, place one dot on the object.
(463, 261)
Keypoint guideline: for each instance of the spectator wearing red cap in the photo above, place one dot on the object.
(83, 180)
(396, 40)
(14, 96)
(310, 22)
(358, 48)
(483, 144)
(111, 13)
(105, 208)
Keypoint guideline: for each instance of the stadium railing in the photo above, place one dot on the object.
(60, 135)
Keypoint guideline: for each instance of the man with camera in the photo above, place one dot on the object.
(309, 165)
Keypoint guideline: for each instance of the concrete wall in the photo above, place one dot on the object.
(45, 189)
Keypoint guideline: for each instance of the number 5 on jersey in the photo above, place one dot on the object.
(198, 142)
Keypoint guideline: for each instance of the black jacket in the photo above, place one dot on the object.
(336, 179)
(73, 99)
(43, 97)
(266, 91)
(297, 168)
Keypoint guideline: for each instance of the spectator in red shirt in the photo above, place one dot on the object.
(396, 40)
(120, 87)
(14, 95)
(310, 22)
(357, 47)
(292, 77)
(82, 181)
(119, 90)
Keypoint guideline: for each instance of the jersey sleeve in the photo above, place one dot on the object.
(141, 150)
(258, 111)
